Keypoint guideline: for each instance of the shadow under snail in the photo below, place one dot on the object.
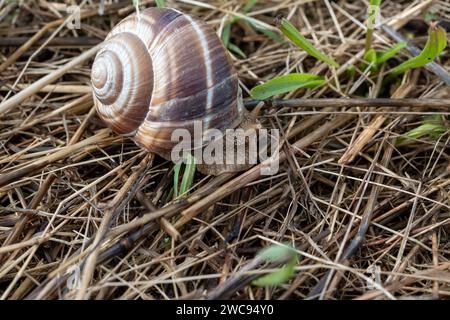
(161, 70)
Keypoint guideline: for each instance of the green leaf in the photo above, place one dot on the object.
(236, 50)
(371, 58)
(391, 52)
(296, 37)
(351, 71)
(160, 3)
(436, 43)
(176, 178)
(373, 18)
(272, 35)
(188, 176)
(276, 278)
(285, 84)
(249, 5)
(433, 127)
(277, 252)
(227, 29)
(226, 34)
(441, 39)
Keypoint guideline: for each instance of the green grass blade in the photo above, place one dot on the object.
(374, 10)
(176, 178)
(351, 71)
(277, 253)
(436, 43)
(188, 176)
(226, 31)
(272, 35)
(285, 84)
(433, 127)
(276, 278)
(296, 37)
(249, 5)
(391, 52)
(372, 19)
(160, 3)
(442, 39)
(371, 58)
(236, 50)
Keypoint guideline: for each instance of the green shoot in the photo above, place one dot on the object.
(374, 12)
(236, 50)
(188, 176)
(272, 35)
(296, 37)
(351, 71)
(371, 58)
(226, 32)
(285, 84)
(436, 43)
(278, 253)
(160, 3)
(249, 5)
(277, 277)
(376, 59)
(391, 52)
(433, 127)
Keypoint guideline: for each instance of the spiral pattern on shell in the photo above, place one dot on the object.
(161, 71)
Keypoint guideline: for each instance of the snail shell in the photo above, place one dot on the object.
(162, 70)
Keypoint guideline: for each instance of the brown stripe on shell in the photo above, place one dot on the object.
(179, 66)
(185, 89)
(226, 84)
(225, 103)
(155, 136)
(149, 26)
(192, 107)
(185, 100)
(222, 67)
(221, 70)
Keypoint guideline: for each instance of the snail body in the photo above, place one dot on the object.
(160, 71)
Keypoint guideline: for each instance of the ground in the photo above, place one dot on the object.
(85, 213)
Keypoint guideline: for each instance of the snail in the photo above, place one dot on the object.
(162, 70)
